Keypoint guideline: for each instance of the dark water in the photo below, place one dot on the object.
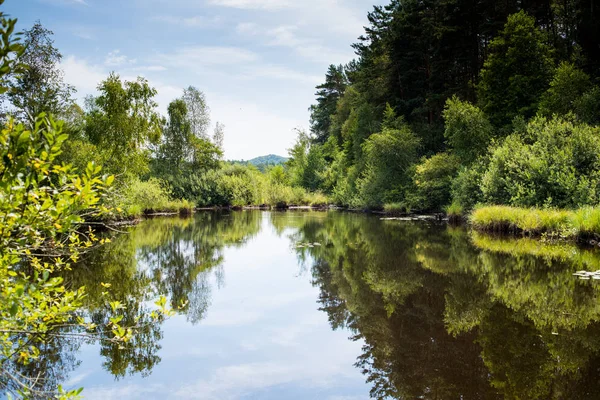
(371, 308)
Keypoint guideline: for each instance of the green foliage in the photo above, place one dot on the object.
(553, 163)
(389, 155)
(516, 72)
(466, 187)
(588, 106)
(468, 130)
(40, 87)
(42, 207)
(177, 136)
(146, 197)
(306, 164)
(553, 223)
(121, 122)
(433, 179)
(566, 89)
(328, 95)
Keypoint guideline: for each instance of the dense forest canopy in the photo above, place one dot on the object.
(460, 75)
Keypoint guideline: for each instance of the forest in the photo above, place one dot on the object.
(448, 105)
(451, 104)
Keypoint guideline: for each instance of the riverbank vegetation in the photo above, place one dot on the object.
(445, 108)
(161, 164)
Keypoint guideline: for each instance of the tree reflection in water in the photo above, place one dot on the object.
(443, 313)
(448, 314)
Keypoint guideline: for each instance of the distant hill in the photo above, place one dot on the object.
(271, 159)
(262, 162)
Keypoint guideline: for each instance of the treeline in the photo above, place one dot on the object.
(161, 163)
(454, 103)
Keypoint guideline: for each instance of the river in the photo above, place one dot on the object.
(337, 306)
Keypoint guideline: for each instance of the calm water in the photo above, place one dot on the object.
(339, 306)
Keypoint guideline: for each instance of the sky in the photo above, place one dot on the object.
(257, 61)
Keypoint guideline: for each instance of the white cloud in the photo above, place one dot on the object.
(247, 28)
(129, 391)
(290, 36)
(66, 2)
(116, 59)
(254, 4)
(231, 382)
(149, 68)
(194, 57)
(197, 21)
(84, 76)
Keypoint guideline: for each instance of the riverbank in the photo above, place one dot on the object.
(580, 225)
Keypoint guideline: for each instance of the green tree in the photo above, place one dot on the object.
(567, 87)
(433, 179)
(198, 113)
(328, 95)
(121, 122)
(176, 145)
(40, 87)
(389, 155)
(516, 72)
(467, 131)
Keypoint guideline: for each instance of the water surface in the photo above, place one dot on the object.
(327, 305)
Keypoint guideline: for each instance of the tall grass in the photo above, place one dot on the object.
(396, 208)
(533, 221)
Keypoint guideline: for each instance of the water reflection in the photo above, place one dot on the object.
(445, 319)
(441, 313)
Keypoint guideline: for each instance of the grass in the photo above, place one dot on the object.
(455, 212)
(562, 224)
(395, 208)
(283, 196)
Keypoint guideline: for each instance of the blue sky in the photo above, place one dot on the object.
(256, 60)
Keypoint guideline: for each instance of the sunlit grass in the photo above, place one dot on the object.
(534, 221)
(395, 208)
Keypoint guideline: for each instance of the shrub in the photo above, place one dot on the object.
(465, 188)
(555, 163)
(145, 197)
(433, 179)
(467, 130)
(389, 156)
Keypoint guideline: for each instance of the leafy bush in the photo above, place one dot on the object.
(145, 197)
(468, 130)
(433, 179)
(389, 156)
(566, 88)
(466, 186)
(554, 163)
